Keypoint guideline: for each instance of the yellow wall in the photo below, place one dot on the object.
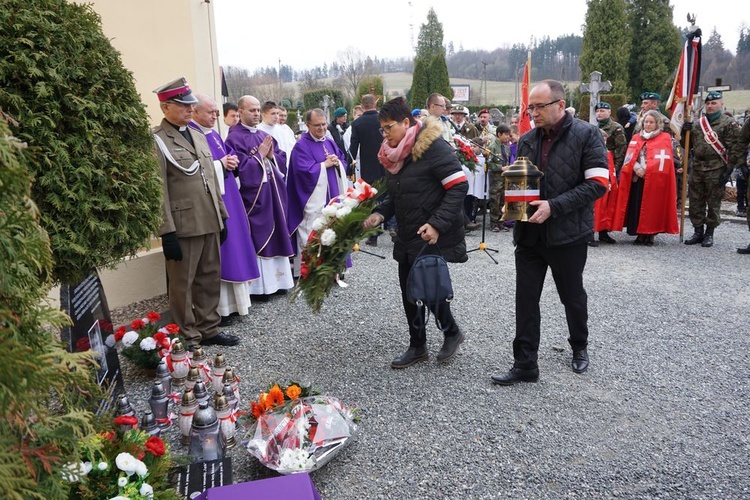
(161, 40)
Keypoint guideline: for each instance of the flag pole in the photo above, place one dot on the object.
(685, 168)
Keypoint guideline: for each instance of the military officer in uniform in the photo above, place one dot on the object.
(649, 101)
(715, 141)
(193, 216)
(745, 143)
(616, 141)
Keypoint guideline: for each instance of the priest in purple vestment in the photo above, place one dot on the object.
(317, 174)
(239, 262)
(262, 171)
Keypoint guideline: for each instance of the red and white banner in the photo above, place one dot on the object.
(685, 82)
(524, 119)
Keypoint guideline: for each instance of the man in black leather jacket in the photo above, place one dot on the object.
(572, 156)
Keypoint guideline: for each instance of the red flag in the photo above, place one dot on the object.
(524, 120)
(686, 81)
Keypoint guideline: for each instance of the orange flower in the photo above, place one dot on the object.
(257, 410)
(275, 397)
(293, 391)
(262, 400)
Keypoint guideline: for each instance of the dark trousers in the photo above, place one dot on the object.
(418, 336)
(567, 264)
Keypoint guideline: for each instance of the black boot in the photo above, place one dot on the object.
(697, 236)
(744, 251)
(411, 356)
(708, 239)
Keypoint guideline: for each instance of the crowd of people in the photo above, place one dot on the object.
(239, 207)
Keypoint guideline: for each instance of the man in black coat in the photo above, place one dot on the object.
(366, 141)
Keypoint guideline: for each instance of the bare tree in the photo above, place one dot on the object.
(353, 67)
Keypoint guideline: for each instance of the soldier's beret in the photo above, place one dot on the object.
(339, 112)
(650, 95)
(713, 95)
(602, 105)
(177, 90)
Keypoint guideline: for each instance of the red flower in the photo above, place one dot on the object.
(172, 329)
(153, 316)
(257, 410)
(155, 446)
(126, 420)
(161, 340)
(137, 324)
(108, 436)
(105, 325)
(83, 344)
(119, 333)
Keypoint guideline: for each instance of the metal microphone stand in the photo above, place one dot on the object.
(482, 245)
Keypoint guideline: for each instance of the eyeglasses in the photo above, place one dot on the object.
(438, 105)
(386, 129)
(534, 107)
(318, 125)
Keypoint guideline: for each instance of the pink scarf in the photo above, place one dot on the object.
(393, 158)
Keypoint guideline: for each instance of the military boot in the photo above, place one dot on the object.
(697, 236)
(708, 239)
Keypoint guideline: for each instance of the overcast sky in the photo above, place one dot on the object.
(303, 34)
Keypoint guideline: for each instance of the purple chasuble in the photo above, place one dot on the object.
(263, 191)
(304, 172)
(238, 260)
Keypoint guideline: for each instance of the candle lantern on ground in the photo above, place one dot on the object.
(201, 393)
(229, 394)
(149, 425)
(124, 408)
(234, 382)
(220, 365)
(201, 361)
(192, 377)
(206, 442)
(226, 420)
(188, 405)
(521, 187)
(159, 403)
(162, 374)
(179, 364)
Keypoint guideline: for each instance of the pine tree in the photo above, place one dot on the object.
(97, 182)
(607, 43)
(657, 46)
(430, 69)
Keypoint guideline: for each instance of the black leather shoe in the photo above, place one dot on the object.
(744, 251)
(411, 356)
(450, 346)
(226, 321)
(222, 338)
(708, 241)
(516, 375)
(592, 243)
(607, 238)
(580, 361)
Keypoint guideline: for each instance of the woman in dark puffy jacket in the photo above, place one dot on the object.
(426, 189)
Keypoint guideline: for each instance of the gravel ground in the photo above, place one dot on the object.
(661, 413)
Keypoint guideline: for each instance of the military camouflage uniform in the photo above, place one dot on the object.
(616, 141)
(704, 180)
(496, 182)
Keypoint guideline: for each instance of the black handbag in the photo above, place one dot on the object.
(428, 285)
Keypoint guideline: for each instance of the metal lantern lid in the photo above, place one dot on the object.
(522, 167)
(158, 391)
(229, 376)
(162, 370)
(178, 348)
(198, 354)
(228, 391)
(194, 375)
(148, 421)
(204, 416)
(124, 407)
(220, 361)
(220, 403)
(200, 391)
(188, 398)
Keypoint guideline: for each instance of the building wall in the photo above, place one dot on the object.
(159, 41)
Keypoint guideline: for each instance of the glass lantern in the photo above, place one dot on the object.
(206, 442)
(188, 406)
(192, 377)
(159, 403)
(220, 365)
(162, 373)
(226, 420)
(234, 381)
(149, 425)
(521, 187)
(180, 364)
(202, 362)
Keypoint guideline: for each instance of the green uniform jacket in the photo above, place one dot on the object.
(616, 140)
(705, 158)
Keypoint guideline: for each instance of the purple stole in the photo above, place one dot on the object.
(238, 260)
(263, 191)
(304, 172)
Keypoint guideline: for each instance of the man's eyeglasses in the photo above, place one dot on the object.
(534, 107)
(387, 128)
(317, 125)
(438, 105)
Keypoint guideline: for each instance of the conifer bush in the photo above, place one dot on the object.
(90, 150)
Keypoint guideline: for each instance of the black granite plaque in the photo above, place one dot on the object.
(86, 305)
(191, 480)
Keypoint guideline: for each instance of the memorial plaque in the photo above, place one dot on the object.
(191, 480)
(86, 305)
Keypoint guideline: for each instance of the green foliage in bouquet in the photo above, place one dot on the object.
(97, 182)
(117, 463)
(45, 391)
(146, 342)
(334, 235)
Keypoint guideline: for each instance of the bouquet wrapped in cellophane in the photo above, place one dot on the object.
(332, 239)
(300, 433)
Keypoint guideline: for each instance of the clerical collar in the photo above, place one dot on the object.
(177, 127)
(322, 139)
(254, 130)
(204, 129)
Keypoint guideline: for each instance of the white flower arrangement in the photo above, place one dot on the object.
(129, 338)
(148, 344)
(328, 237)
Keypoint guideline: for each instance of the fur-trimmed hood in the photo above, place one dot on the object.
(432, 129)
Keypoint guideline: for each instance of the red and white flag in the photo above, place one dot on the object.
(524, 119)
(685, 82)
